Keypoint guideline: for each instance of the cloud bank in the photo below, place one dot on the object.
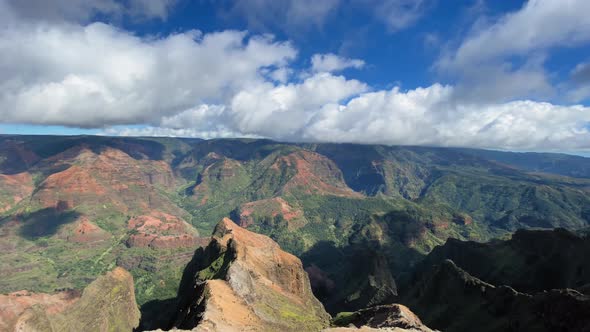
(503, 59)
(234, 83)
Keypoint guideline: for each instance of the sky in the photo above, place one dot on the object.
(511, 75)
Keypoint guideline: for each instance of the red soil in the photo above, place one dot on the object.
(110, 177)
(86, 231)
(315, 174)
(14, 304)
(19, 186)
(162, 230)
(272, 207)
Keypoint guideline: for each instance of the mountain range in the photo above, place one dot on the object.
(372, 225)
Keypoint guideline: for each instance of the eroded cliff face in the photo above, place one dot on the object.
(107, 304)
(243, 281)
(450, 299)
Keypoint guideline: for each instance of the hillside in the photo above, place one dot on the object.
(72, 208)
(448, 298)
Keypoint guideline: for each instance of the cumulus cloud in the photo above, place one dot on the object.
(488, 52)
(99, 75)
(422, 116)
(538, 25)
(232, 83)
(430, 116)
(284, 111)
(332, 62)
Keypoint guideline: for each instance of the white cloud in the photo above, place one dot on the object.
(230, 83)
(98, 75)
(422, 116)
(151, 131)
(539, 25)
(283, 111)
(332, 62)
(488, 52)
(280, 74)
(430, 116)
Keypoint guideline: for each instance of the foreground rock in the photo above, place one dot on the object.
(391, 317)
(450, 299)
(243, 281)
(107, 304)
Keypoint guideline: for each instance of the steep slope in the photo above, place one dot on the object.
(77, 206)
(382, 317)
(15, 157)
(82, 178)
(499, 195)
(252, 212)
(244, 281)
(71, 208)
(161, 230)
(303, 173)
(107, 304)
(531, 261)
(554, 163)
(448, 298)
(13, 189)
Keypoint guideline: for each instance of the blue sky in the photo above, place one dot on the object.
(493, 74)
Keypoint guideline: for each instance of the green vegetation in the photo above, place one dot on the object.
(343, 318)
(408, 200)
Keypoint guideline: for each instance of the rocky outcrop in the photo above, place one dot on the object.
(450, 299)
(311, 173)
(162, 230)
(96, 177)
(271, 208)
(107, 304)
(85, 231)
(243, 281)
(381, 317)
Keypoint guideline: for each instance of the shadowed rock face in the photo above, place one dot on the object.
(381, 317)
(531, 261)
(450, 299)
(244, 281)
(107, 304)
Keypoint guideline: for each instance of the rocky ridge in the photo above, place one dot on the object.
(244, 281)
(450, 299)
